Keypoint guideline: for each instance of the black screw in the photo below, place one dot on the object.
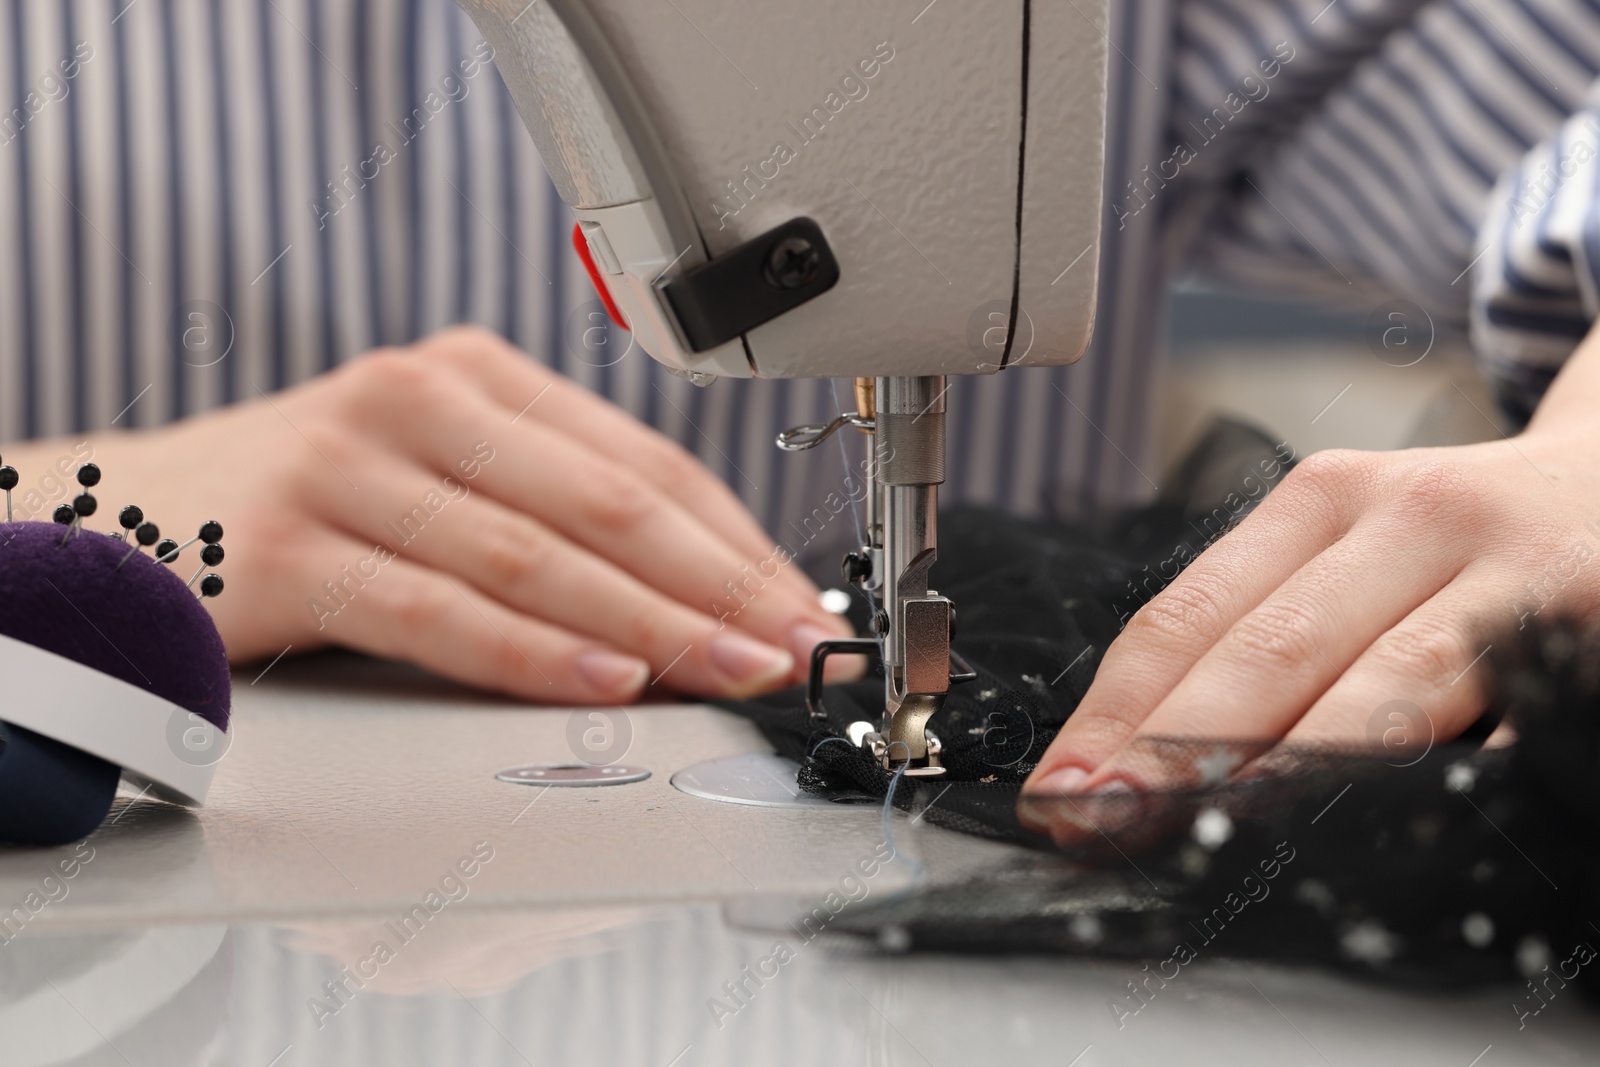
(880, 623)
(792, 263)
(856, 568)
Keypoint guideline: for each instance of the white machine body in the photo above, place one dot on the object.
(951, 158)
(835, 189)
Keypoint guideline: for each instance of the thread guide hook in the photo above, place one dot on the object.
(812, 434)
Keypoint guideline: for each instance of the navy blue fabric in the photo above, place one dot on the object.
(50, 793)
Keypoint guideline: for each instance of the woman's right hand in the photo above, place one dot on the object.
(457, 504)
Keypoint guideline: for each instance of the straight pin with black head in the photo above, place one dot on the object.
(210, 585)
(210, 556)
(210, 533)
(128, 518)
(8, 481)
(65, 516)
(146, 534)
(84, 504)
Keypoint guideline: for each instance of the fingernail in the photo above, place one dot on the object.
(1036, 810)
(747, 661)
(1041, 807)
(612, 672)
(1067, 781)
(1116, 785)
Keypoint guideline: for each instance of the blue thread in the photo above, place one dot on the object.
(888, 831)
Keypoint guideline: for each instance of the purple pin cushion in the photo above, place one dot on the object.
(113, 671)
(138, 623)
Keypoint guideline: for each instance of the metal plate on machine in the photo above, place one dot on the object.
(574, 774)
(761, 779)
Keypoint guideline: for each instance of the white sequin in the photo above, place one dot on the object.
(836, 601)
(1477, 929)
(1212, 827)
(1533, 955)
(1369, 942)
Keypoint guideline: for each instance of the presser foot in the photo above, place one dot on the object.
(904, 739)
(881, 747)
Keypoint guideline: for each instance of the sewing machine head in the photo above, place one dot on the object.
(823, 190)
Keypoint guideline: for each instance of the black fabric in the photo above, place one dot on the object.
(1037, 603)
(1436, 864)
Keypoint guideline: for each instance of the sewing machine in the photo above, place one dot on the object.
(834, 189)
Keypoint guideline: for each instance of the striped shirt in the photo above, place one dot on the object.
(203, 201)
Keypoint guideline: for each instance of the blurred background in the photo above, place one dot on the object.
(1315, 377)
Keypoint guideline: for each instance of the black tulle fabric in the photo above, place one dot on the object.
(1429, 863)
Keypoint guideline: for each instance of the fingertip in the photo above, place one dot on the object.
(1034, 812)
(1055, 769)
(748, 666)
(1063, 781)
(1059, 802)
(612, 676)
(1040, 805)
(807, 635)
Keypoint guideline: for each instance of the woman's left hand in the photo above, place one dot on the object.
(1364, 578)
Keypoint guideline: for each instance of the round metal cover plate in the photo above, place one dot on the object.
(759, 778)
(579, 774)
